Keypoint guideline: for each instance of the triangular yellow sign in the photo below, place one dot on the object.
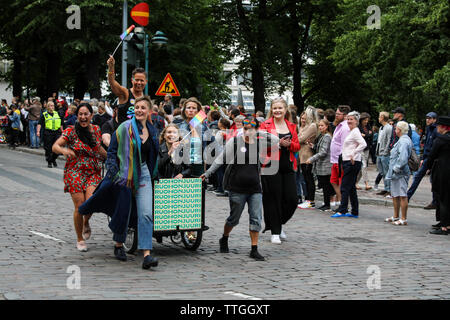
(168, 86)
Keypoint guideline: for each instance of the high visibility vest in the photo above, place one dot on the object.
(52, 122)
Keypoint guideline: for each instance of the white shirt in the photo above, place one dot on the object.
(353, 145)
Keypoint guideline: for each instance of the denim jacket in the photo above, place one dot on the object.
(398, 163)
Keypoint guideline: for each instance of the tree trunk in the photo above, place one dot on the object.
(52, 76)
(258, 88)
(92, 64)
(17, 76)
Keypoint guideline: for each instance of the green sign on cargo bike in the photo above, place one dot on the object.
(178, 203)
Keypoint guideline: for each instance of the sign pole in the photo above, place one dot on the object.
(146, 61)
(125, 45)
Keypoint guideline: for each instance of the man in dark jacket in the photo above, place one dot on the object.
(430, 134)
(438, 160)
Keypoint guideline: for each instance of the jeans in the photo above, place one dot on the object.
(34, 139)
(237, 204)
(416, 181)
(348, 187)
(144, 201)
(383, 167)
(300, 182)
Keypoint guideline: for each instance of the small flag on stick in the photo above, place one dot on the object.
(123, 36)
(199, 117)
(127, 32)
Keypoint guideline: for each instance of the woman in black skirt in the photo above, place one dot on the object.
(278, 180)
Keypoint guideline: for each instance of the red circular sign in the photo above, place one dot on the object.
(140, 14)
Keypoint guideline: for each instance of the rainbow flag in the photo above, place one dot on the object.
(123, 35)
(199, 117)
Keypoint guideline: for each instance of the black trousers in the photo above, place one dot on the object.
(49, 139)
(309, 180)
(327, 188)
(348, 187)
(279, 200)
(13, 137)
(443, 210)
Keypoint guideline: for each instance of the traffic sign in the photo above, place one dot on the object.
(168, 86)
(140, 13)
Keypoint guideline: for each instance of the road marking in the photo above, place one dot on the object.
(46, 236)
(38, 177)
(17, 187)
(241, 295)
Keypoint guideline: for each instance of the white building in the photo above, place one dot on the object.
(5, 93)
(236, 82)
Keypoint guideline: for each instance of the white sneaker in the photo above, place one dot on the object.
(375, 187)
(332, 203)
(306, 205)
(338, 203)
(275, 239)
(283, 236)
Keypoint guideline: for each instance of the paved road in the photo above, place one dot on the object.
(323, 258)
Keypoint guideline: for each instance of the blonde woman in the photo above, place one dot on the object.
(307, 135)
(279, 189)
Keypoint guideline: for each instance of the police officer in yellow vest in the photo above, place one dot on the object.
(51, 122)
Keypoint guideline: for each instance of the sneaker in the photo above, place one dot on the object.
(348, 214)
(220, 194)
(283, 236)
(338, 215)
(55, 164)
(275, 239)
(224, 245)
(255, 255)
(210, 188)
(50, 165)
(119, 253)
(324, 208)
(375, 187)
(149, 261)
(382, 193)
(388, 196)
(332, 203)
(306, 205)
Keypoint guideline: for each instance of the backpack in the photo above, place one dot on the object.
(413, 161)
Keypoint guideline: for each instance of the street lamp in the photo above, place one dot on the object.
(159, 39)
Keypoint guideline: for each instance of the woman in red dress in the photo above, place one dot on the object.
(81, 144)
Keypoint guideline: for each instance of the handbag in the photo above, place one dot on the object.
(413, 161)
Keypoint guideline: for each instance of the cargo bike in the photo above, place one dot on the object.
(178, 213)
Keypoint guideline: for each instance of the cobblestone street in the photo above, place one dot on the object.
(323, 258)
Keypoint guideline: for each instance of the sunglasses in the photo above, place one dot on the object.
(252, 123)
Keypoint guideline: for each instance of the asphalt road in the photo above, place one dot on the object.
(323, 258)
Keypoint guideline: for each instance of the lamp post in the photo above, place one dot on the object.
(159, 39)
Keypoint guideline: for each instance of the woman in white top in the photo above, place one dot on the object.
(353, 145)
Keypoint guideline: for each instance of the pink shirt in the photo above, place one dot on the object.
(339, 135)
(354, 144)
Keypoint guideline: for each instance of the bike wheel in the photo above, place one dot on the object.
(131, 240)
(191, 239)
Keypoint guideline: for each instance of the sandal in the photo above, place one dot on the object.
(86, 232)
(81, 246)
(368, 188)
(391, 219)
(400, 222)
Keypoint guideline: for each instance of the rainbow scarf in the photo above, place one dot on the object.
(129, 155)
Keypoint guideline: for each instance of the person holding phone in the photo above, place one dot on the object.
(279, 186)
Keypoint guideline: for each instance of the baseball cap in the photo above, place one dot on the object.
(432, 115)
(399, 110)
